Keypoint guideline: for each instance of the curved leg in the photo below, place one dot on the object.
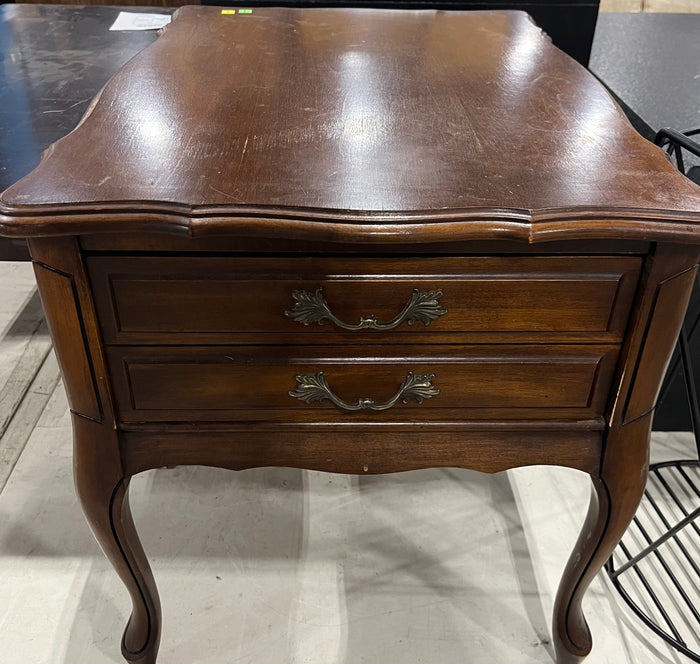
(615, 496)
(103, 493)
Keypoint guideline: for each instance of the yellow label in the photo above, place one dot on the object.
(228, 11)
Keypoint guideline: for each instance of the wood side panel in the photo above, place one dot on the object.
(63, 315)
(77, 352)
(667, 263)
(667, 314)
(363, 451)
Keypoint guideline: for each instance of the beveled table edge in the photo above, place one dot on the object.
(352, 226)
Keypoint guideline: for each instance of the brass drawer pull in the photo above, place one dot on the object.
(315, 388)
(313, 308)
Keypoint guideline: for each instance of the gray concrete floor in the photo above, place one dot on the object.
(667, 6)
(281, 566)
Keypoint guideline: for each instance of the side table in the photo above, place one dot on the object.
(362, 242)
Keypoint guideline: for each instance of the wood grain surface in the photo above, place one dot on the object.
(253, 384)
(196, 300)
(348, 124)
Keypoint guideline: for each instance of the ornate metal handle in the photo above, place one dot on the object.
(313, 308)
(315, 388)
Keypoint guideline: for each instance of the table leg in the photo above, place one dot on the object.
(104, 496)
(615, 496)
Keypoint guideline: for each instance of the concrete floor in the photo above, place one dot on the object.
(281, 566)
(669, 6)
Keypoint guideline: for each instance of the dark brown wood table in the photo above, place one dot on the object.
(360, 242)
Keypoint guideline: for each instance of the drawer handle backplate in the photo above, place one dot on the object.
(315, 388)
(312, 308)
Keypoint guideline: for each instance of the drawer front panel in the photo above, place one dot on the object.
(172, 300)
(362, 383)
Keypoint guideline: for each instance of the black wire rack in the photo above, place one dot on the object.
(656, 566)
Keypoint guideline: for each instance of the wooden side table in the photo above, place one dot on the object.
(362, 242)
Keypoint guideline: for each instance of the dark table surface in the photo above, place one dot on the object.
(54, 59)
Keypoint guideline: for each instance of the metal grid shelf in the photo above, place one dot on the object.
(655, 566)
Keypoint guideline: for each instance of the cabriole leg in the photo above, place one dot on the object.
(615, 496)
(104, 496)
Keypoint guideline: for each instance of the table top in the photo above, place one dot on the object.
(381, 117)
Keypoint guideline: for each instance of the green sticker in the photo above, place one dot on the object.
(245, 11)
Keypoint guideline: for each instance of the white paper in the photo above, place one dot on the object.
(137, 21)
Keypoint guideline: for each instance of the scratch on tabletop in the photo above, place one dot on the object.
(223, 193)
(245, 145)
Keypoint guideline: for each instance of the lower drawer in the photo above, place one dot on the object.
(406, 384)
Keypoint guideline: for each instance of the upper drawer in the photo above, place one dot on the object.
(198, 300)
